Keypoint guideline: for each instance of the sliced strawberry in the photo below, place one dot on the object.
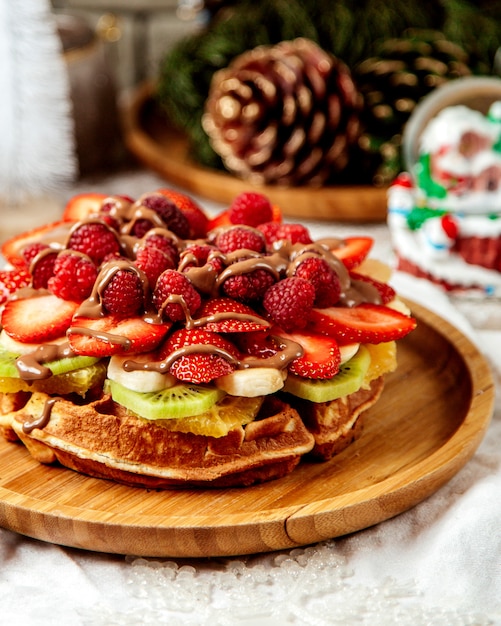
(37, 319)
(365, 323)
(12, 248)
(196, 217)
(321, 355)
(225, 315)
(354, 250)
(223, 218)
(203, 357)
(11, 281)
(386, 292)
(83, 205)
(113, 334)
(257, 343)
(276, 213)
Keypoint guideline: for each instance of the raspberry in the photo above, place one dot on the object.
(295, 233)
(289, 302)
(250, 286)
(31, 250)
(74, 277)
(174, 283)
(197, 219)
(166, 244)
(269, 230)
(274, 231)
(199, 255)
(95, 239)
(250, 208)
(124, 293)
(323, 278)
(153, 261)
(167, 211)
(43, 268)
(110, 210)
(240, 238)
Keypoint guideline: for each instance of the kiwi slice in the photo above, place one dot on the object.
(348, 380)
(181, 400)
(75, 381)
(8, 368)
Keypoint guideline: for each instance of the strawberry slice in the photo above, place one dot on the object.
(223, 218)
(113, 334)
(197, 219)
(386, 292)
(354, 250)
(225, 315)
(365, 323)
(38, 319)
(11, 281)
(321, 354)
(203, 356)
(12, 248)
(82, 206)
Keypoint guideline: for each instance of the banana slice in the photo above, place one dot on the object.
(138, 380)
(16, 347)
(252, 382)
(348, 351)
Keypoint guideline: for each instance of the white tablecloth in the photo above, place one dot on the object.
(438, 564)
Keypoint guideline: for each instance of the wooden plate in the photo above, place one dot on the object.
(432, 416)
(157, 145)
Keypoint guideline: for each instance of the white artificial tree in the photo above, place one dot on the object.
(37, 145)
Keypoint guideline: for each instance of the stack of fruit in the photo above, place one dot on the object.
(190, 320)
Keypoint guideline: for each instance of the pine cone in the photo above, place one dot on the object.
(284, 114)
(393, 82)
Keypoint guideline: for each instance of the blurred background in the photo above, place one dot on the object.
(70, 67)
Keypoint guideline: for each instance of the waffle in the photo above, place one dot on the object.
(103, 440)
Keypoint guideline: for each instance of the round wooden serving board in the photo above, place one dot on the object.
(432, 416)
(150, 137)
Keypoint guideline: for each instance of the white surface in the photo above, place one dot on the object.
(437, 564)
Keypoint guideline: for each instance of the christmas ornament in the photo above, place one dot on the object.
(284, 114)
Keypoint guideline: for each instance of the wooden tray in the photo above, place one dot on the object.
(432, 416)
(157, 145)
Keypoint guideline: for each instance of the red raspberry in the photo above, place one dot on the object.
(325, 280)
(74, 277)
(196, 255)
(269, 230)
(295, 233)
(95, 239)
(109, 211)
(250, 208)
(124, 293)
(153, 261)
(197, 219)
(166, 244)
(248, 287)
(43, 268)
(32, 249)
(167, 211)
(174, 283)
(289, 302)
(240, 238)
